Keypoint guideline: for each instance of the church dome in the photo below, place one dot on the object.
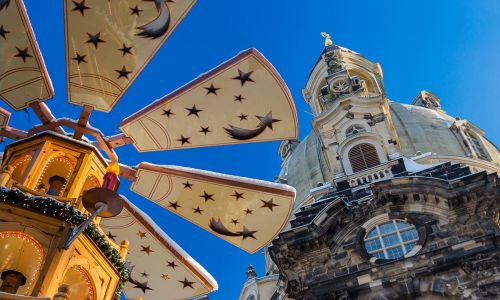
(420, 130)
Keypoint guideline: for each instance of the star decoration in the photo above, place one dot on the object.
(186, 283)
(3, 32)
(80, 58)
(268, 119)
(238, 195)
(184, 140)
(207, 196)
(205, 130)
(244, 77)
(146, 249)
(126, 50)
(174, 205)
(243, 117)
(172, 264)
(239, 98)
(193, 111)
(80, 6)
(141, 234)
(111, 236)
(123, 73)
(248, 211)
(164, 276)
(135, 10)
(269, 204)
(188, 185)
(95, 39)
(247, 233)
(144, 274)
(143, 286)
(234, 221)
(168, 112)
(211, 89)
(197, 210)
(23, 53)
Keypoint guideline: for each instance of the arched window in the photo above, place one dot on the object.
(478, 147)
(353, 129)
(391, 240)
(362, 157)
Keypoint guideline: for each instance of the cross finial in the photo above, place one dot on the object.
(328, 40)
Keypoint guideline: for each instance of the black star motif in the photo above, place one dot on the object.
(197, 210)
(146, 249)
(95, 39)
(3, 32)
(184, 140)
(141, 234)
(239, 98)
(135, 10)
(172, 264)
(238, 195)
(23, 53)
(234, 221)
(211, 89)
(126, 50)
(186, 283)
(188, 185)
(243, 77)
(143, 286)
(80, 6)
(243, 117)
(123, 73)
(168, 112)
(80, 58)
(247, 233)
(205, 130)
(269, 204)
(111, 236)
(174, 205)
(144, 274)
(164, 276)
(207, 196)
(193, 111)
(268, 119)
(248, 211)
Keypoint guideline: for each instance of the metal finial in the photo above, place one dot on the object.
(328, 40)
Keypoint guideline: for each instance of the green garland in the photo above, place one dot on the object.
(70, 214)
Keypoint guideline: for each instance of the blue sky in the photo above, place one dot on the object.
(450, 48)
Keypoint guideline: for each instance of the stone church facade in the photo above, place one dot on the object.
(394, 201)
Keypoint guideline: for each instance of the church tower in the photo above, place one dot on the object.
(394, 201)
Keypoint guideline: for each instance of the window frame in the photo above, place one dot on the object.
(407, 251)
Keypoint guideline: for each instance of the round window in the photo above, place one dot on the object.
(391, 240)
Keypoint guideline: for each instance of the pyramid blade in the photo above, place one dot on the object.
(108, 43)
(23, 76)
(243, 100)
(160, 269)
(4, 118)
(244, 212)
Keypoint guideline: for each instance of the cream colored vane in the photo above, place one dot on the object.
(245, 212)
(23, 76)
(4, 118)
(108, 43)
(159, 268)
(243, 100)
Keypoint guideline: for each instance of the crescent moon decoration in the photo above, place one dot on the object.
(158, 26)
(4, 3)
(219, 228)
(246, 134)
